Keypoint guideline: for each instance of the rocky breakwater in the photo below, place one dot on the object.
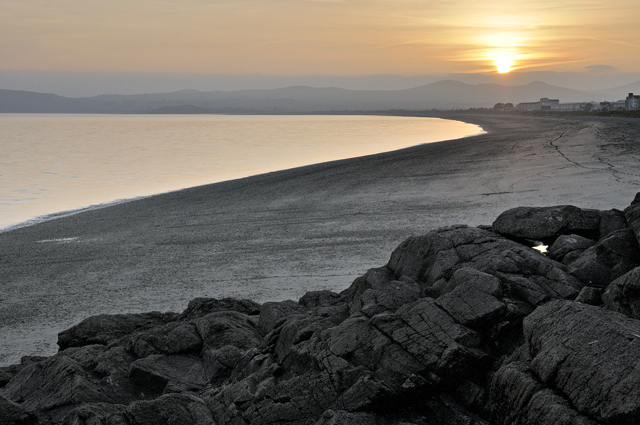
(463, 325)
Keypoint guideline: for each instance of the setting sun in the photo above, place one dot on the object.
(503, 65)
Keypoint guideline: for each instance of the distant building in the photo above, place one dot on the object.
(619, 105)
(547, 104)
(528, 106)
(582, 106)
(632, 102)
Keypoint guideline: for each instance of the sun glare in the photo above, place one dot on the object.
(503, 65)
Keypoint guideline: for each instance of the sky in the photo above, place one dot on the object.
(318, 37)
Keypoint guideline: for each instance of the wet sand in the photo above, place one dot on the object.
(278, 235)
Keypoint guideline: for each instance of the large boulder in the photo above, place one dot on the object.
(566, 248)
(524, 274)
(106, 328)
(545, 224)
(273, 312)
(607, 260)
(170, 409)
(168, 374)
(98, 414)
(518, 397)
(623, 294)
(579, 363)
(632, 214)
(172, 338)
(12, 414)
(199, 307)
(473, 298)
(54, 386)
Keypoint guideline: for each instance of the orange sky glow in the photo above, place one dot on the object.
(333, 37)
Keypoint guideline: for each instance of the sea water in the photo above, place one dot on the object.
(52, 164)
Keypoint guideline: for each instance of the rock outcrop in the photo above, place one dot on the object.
(463, 325)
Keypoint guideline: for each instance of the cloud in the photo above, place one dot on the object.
(601, 69)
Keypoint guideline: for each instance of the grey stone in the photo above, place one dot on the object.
(106, 328)
(313, 299)
(471, 298)
(545, 224)
(623, 294)
(171, 409)
(607, 260)
(590, 356)
(228, 328)
(566, 244)
(199, 307)
(219, 362)
(273, 312)
(12, 414)
(611, 221)
(524, 273)
(98, 414)
(341, 417)
(172, 338)
(168, 374)
(632, 214)
(54, 386)
(590, 295)
(518, 398)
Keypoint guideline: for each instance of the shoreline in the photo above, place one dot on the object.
(252, 166)
(277, 235)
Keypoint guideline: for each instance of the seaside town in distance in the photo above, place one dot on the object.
(631, 103)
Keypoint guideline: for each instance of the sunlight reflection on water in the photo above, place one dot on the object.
(58, 162)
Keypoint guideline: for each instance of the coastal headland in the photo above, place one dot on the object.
(276, 236)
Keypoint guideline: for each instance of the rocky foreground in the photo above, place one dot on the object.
(462, 326)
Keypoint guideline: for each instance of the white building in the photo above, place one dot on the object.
(632, 102)
(547, 104)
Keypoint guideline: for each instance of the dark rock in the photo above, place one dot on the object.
(98, 414)
(53, 387)
(326, 304)
(106, 328)
(470, 297)
(12, 414)
(170, 409)
(623, 294)
(524, 273)
(517, 397)
(396, 294)
(590, 295)
(632, 214)
(611, 221)
(228, 328)
(313, 299)
(273, 312)
(587, 356)
(219, 362)
(347, 418)
(172, 338)
(168, 374)
(545, 224)
(607, 260)
(200, 307)
(569, 244)
(470, 395)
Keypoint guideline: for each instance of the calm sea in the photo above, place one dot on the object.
(53, 163)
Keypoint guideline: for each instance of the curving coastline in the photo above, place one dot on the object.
(276, 236)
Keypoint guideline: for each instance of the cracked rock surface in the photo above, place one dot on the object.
(462, 326)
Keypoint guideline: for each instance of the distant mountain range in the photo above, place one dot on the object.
(301, 99)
